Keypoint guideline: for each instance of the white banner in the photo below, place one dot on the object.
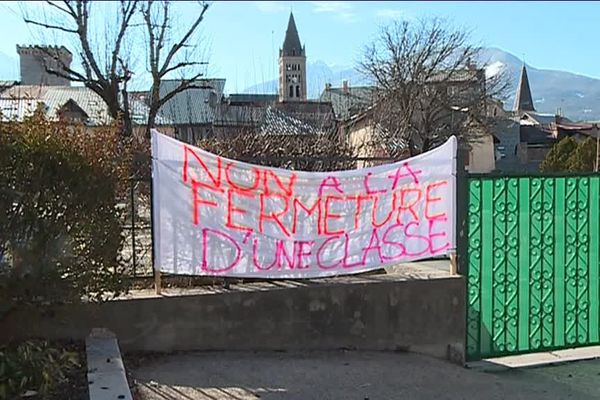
(216, 216)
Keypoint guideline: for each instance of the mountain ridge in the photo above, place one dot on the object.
(573, 95)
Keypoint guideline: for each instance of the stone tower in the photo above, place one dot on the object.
(35, 59)
(523, 100)
(292, 66)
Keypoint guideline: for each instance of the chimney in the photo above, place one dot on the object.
(328, 86)
(345, 87)
(471, 65)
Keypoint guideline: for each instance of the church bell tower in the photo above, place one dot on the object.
(292, 66)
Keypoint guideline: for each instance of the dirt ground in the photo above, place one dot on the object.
(350, 375)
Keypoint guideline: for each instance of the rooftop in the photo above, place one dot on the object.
(21, 97)
(349, 101)
(193, 106)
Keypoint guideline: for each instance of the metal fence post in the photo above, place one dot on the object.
(156, 273)
(132, 192)
(462, 212)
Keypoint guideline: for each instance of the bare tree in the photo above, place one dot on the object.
(428, 86)
(109, 77)
(295, 152)
(162, 61)
(105, 63)
(281, 139)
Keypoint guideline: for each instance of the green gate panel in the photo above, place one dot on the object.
(533, 280)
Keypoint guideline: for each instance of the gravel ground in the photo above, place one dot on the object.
(348, 375)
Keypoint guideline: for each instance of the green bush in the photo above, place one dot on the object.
(569, 155)
(584, 156)
(60, 233)
(33, 366)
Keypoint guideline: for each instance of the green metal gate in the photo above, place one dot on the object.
(533, 266)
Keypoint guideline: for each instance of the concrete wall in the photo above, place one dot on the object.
(481, 156)
(418, 315)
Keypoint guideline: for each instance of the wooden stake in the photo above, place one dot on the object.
(453, 263)
(157, 285)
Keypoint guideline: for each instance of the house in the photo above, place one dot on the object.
(72, 104)
(192, 112)
(239, 113)
(347, 100)
(364, 119)
(367, 139)
(17, 109)
(526, 136)
(200, 112)
(43, 91)
(372, 145)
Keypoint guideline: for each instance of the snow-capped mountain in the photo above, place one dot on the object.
(576, 96)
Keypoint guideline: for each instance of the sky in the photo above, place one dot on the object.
(240, 40)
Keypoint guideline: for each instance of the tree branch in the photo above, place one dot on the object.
(177, 46)
(49, 26)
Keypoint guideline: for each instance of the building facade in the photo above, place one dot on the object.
(36, 62)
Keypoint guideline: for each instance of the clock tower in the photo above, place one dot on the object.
(292, 66)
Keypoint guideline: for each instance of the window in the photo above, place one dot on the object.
(298, 67)
(288, 67)
(500, 152)
(297, 90)
(291, 90)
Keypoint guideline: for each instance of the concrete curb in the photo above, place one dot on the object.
(106, 373)
(534, 360)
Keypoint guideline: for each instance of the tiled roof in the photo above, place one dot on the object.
(238, 115)
(93, 105)
(350, 102)
(139, 113)
(532, 117)
(16, 109)
(55, 97)
(315, 113)
(192, 106)
(277, 122)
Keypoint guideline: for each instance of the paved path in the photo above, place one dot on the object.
(352, 375)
